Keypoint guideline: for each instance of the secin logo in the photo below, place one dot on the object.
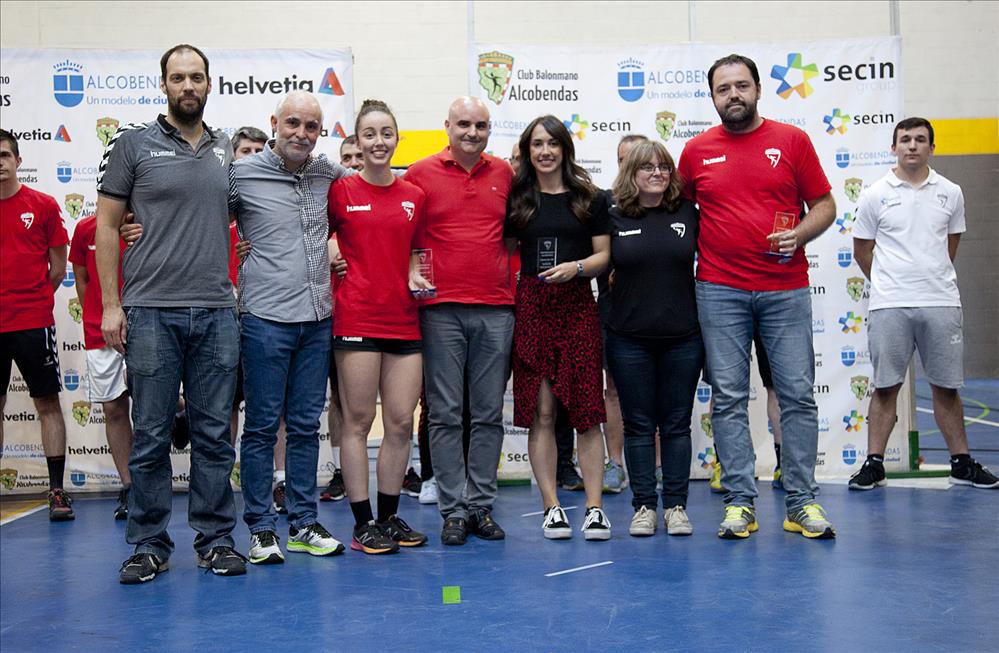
(848, 356)
(69, 279)
(67, 83)
(71, 379)
(849, 454)
(78, 478)
(844, 257)
(842, 158)
(630, 80)
(64, 171)
(703, 392)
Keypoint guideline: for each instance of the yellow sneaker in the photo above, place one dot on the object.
(739, 522)
(716, 474)
(811, 521)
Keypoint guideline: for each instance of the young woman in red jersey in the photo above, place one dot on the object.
(376, 330)
(559, 218)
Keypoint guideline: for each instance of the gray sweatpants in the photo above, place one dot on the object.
(477, 339)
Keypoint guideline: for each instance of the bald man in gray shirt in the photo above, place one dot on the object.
(279, 198)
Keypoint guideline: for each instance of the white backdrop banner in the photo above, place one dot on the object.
(63, 106)
(846, 94)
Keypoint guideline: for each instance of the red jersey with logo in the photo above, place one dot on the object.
(83, 251)
(465, 215)
(30, 225)
(376, 228)
(740, 182)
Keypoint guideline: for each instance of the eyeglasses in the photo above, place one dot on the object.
(650, 168)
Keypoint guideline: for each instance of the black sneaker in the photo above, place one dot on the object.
(180, 436)
(60, 505)
(401, 533)
(334, 490)
(482, 525)
(455, 531)
(568, 478)
(279, 499)
(973, 474)
(121, 510)
(371, 539)
(223, 561)
(411, 484)
(141, 568)
(870, 476)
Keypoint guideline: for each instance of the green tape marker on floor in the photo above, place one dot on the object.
(451, 594)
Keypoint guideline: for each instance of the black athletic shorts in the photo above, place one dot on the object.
(383, 345)
(37, 356)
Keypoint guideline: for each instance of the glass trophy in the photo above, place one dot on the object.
(425, 264)
(547, 253)
(783, 221)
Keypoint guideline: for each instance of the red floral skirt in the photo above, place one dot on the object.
(556, 336)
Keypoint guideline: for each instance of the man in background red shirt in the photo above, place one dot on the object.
(33, 248)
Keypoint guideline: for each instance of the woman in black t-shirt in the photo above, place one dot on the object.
(654, 348)
(559, 218)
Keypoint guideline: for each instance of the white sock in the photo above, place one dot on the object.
(336, 457)
(278, 475)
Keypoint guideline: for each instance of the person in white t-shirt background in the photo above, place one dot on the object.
(909, 224)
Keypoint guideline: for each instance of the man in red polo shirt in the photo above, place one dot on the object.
(33, 249)
(468, 327)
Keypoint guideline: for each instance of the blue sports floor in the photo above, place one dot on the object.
(911, 570)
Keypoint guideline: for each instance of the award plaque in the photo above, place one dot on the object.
(547, 253)
(425, 264)
(783, 221)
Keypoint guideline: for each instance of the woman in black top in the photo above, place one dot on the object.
(654, 348)
(560, 220)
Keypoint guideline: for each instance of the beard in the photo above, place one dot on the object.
(737, 117)
(185, 114)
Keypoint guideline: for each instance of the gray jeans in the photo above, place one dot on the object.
(461, 339)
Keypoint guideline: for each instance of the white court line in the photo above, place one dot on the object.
(22, 514)
(574, 569)
(966, 419)
(541, 512)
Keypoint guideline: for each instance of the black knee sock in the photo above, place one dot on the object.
(777, 451)
(388, 505)
(362, 512)
(57, 469)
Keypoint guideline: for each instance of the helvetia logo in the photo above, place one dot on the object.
(331, 84)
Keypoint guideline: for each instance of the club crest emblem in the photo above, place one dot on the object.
(495, 70)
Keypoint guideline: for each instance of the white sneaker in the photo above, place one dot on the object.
(643, 523)
(556, 524)
(677, 522)
(314, 540)
(265, 549)
(596, 526)
(428, 491)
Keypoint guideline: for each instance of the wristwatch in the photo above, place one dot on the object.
(579, 268)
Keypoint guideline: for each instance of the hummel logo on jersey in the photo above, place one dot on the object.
(362, 207)
(92, 248)
(28, 219)
(942, 199)
(219, 154)
(156, 153)
(409, 208)
(717, 159)
(352, 339)
(679, 228)
(632, 232)
(773, 154)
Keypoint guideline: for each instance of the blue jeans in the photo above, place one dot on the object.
(656, 380)
(201, 347)
(460, 339)
(728, 317)
(285, 367)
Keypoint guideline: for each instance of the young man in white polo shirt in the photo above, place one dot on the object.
(905, 239)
